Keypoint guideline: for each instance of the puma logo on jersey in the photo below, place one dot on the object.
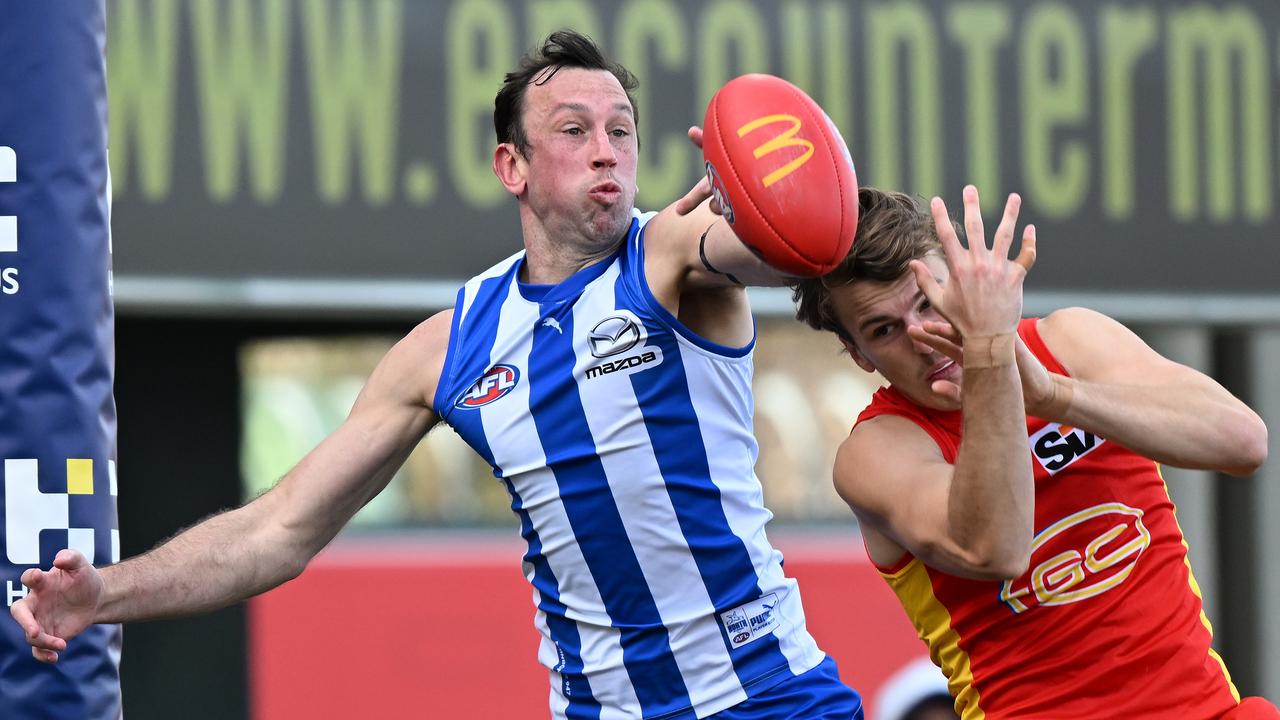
(750, 622)
(1056, 446)
(553, 324)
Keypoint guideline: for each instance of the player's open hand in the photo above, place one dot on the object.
(1037, 385)
(700, 191)
(983, 295)
(60, 603)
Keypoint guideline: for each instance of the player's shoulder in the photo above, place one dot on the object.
(883, 442)
(884, 436)
(1071, 321)
(429, 340)
(414, 365)
(872, 462)
(1080, 337)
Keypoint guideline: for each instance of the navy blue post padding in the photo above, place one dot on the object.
(57, 412)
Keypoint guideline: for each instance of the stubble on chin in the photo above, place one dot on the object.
(610, 225)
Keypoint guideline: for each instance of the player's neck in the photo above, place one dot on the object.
(549, 261)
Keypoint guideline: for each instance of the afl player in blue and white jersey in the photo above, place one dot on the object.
(604, 371)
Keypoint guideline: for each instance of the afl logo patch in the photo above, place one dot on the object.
(498, 381)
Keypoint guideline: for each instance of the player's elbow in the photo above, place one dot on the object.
(993, 560)
(291, 568)
(995, 550)
(1250, 449)
(1001, 564)
(1011, 566)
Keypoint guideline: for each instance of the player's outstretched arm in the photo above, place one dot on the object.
(1122, 390)
(268, 541)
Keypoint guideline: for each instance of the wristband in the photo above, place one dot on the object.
(988, 352)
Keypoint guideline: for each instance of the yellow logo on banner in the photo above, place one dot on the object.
(786, 138)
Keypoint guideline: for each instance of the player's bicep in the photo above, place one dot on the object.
(1095, 348)
(355, 462)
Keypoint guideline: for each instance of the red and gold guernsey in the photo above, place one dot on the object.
(1106, 622)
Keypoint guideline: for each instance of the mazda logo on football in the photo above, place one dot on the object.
(613, 335)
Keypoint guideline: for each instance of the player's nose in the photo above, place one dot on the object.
(603, 153)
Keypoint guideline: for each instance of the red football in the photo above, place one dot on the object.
(782, 174)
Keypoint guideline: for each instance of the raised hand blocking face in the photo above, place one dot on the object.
(983, 297)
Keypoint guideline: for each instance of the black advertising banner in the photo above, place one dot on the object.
(352, 139)
(57, 412)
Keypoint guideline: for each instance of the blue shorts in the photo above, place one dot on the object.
(815, 695)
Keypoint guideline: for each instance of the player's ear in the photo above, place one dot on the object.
(858, 358)
(511, 168)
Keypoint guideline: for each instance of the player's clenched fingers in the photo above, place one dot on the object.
(36, 638)
(695, 136)
(68, 559)
(935, 341)
(694, 197)
(942, 329)
(33, 578)
(49, 643)
(1027, 253)
(927, 283)
(973, 222)
(25, 619)
(947, 389)
(1003, 239)
(44, 656)
(946, 233)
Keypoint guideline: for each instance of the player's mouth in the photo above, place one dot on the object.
(945, 370)
(606, 193)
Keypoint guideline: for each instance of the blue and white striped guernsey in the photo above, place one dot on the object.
(626, 443)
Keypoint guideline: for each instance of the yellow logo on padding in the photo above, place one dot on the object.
(30, 511)
(786, 138)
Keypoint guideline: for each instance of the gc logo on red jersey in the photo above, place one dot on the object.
(1080, 556)
(498, 381)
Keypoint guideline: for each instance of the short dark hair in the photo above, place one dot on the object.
(561, 49)
(893, 229)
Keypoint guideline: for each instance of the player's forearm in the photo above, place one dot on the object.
(1192, 425)
(729, 255)
(222, 560)
(991, 499)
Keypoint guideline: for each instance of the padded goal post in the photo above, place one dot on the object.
(57, 410)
